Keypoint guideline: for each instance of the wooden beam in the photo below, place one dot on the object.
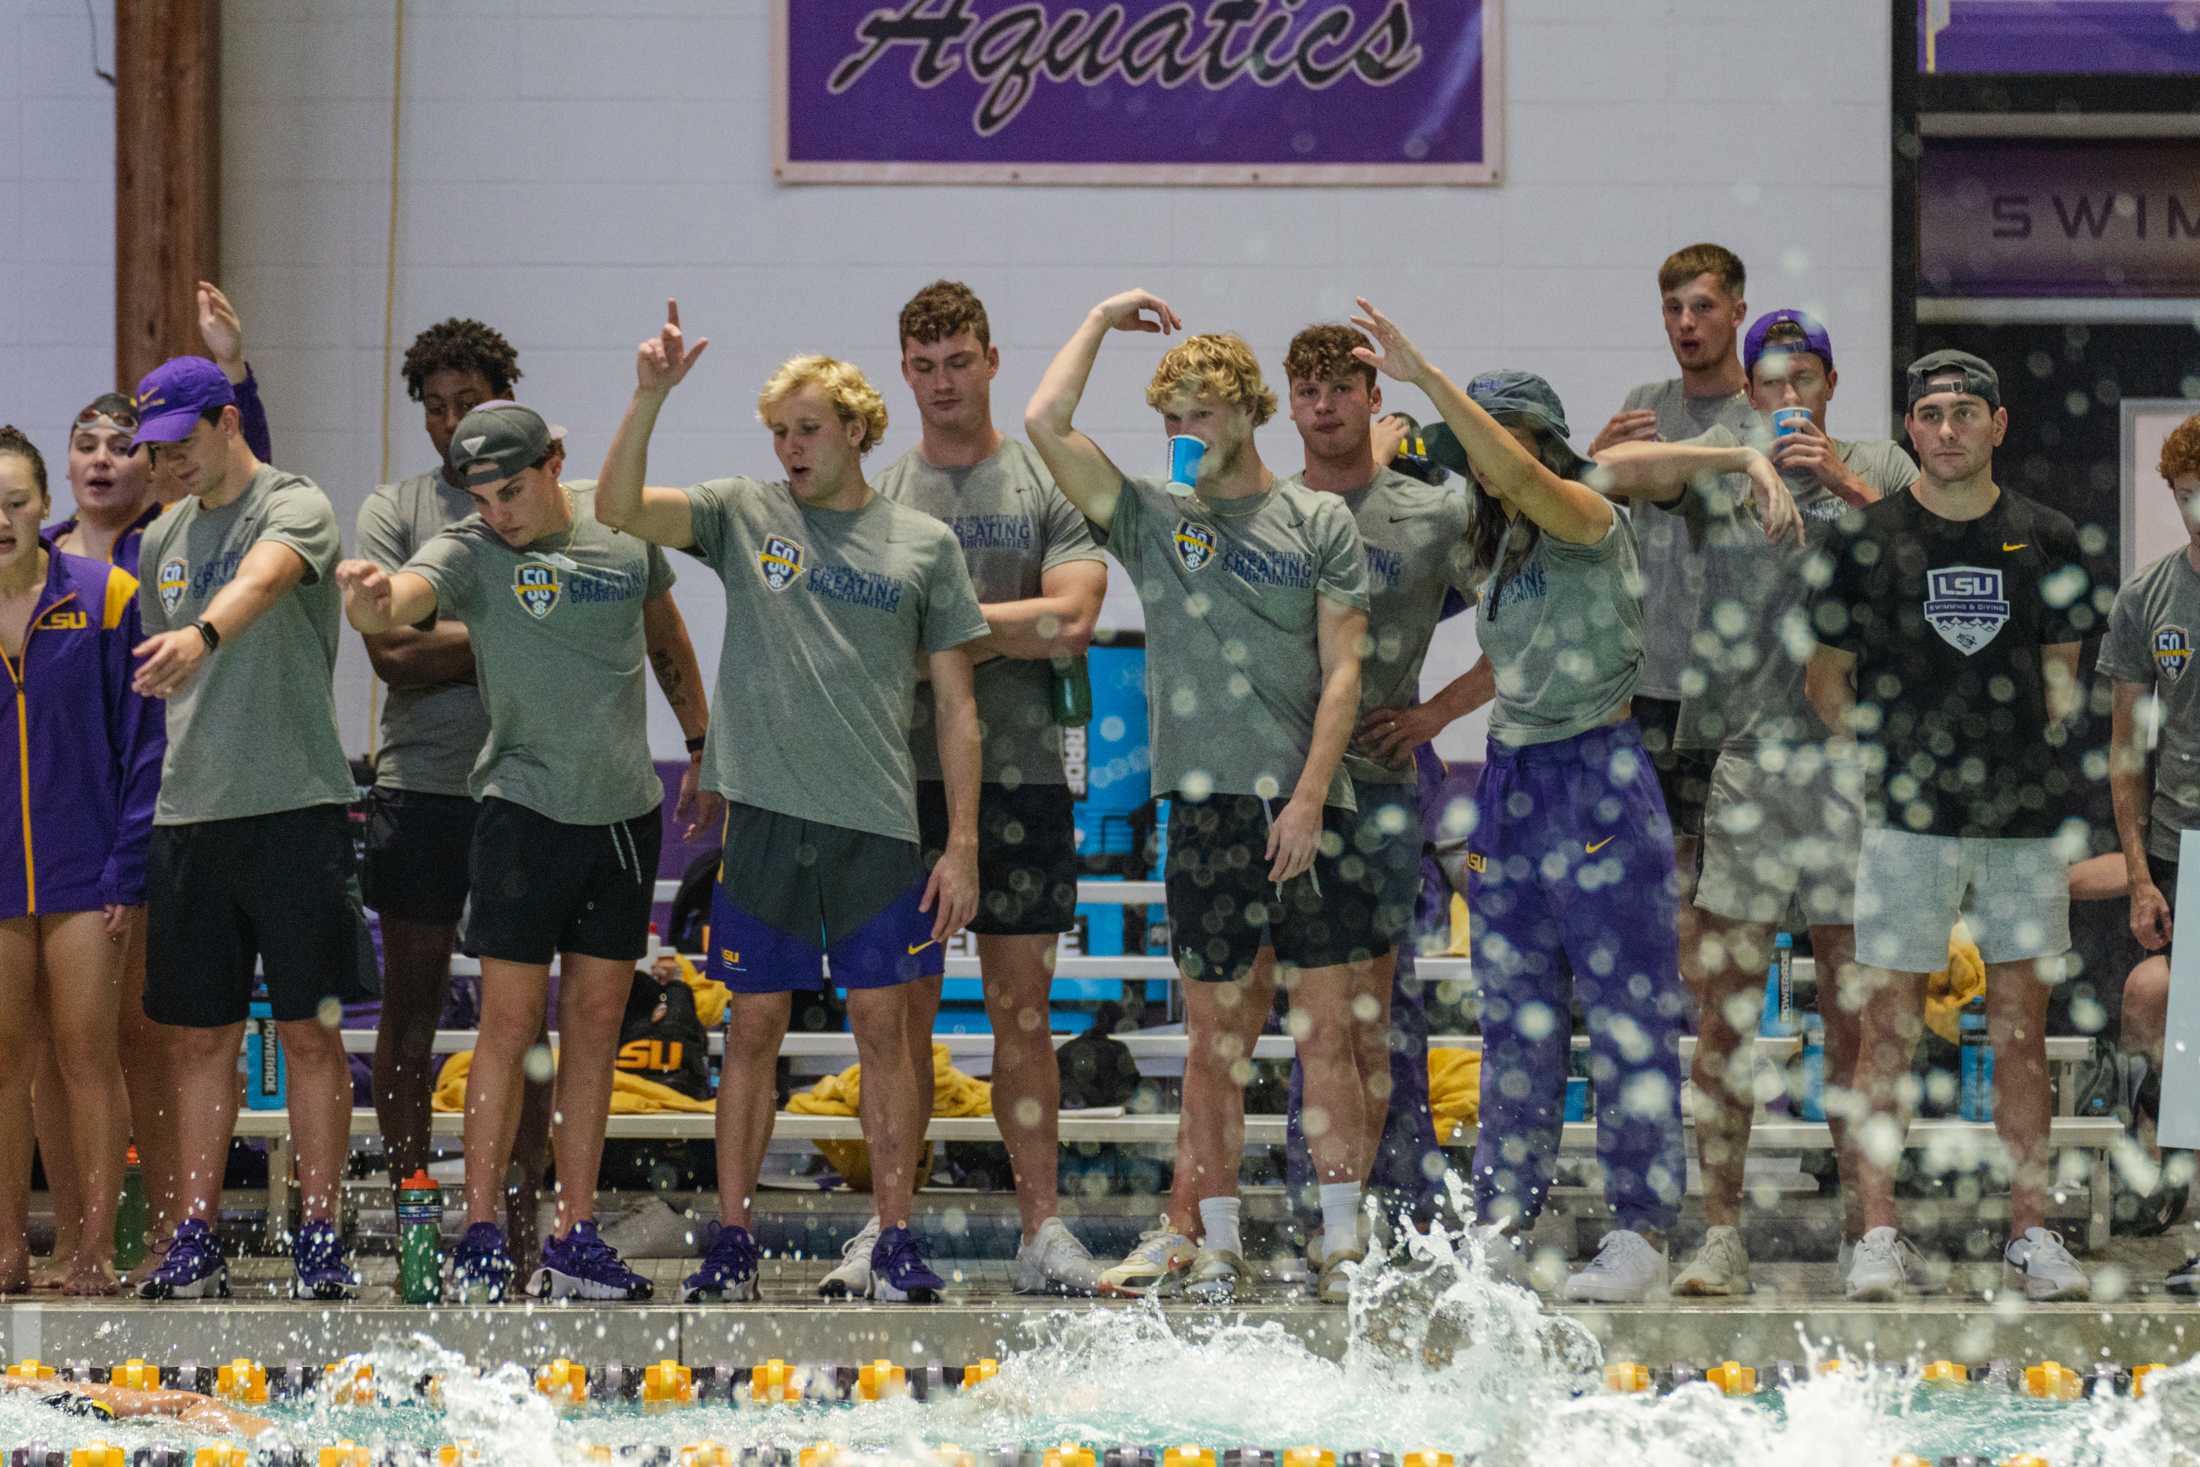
(167, 176)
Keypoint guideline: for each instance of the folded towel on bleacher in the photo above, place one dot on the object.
(631, 1095)
(953, 1094)
(1454, 1090)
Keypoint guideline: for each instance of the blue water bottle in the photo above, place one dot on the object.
(1779, 1021)
(265, 1087)
(1977, 1103)
(1812, 1104)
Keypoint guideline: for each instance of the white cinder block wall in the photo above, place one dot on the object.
(567, 165)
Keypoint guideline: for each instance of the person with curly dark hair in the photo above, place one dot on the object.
(420, 818)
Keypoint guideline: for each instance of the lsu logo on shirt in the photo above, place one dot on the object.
(781, 561)
(2172, 651)
(537, 587)
(1477, 862)
(173, 579)
(58, 620)
(1966, 605)
(1195, 544)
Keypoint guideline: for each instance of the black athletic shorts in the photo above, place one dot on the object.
(277, 891)
(1223, 908)
(542, 887)
(1027, 854)
(419, 847)
(1684, 775)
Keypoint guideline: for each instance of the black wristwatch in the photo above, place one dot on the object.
(213, 638)
(695, 745)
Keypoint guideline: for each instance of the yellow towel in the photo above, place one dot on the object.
(1947, 991)
(1454, 1090)
(631, 1095)
(953, 1094)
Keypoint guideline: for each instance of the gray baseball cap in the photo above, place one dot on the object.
(496, 441)
(1510, 397)
(1980, 380)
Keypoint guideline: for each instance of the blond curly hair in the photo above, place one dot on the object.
(853, 397)
(1221, 365)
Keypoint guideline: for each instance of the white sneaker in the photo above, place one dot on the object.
(1055, 1263)
(1719, 1269)
(852, 1280)
(1883, 1267)
(2045, 1265)
(1215, 1276)
(1626, 1270)
(1153, 1266)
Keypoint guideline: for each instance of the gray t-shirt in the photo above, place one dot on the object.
(1672, 566)
(1563, 633)
(1014, 526)
(2151, 635)
(1233, 660)
(1415, 553)
(430, 736)
(827, 614)
(1744, 684)
(255, 731)
(562, 661)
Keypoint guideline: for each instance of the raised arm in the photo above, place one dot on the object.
(376, 600)
(169, 660)
(624, 498)
(2127, 788)
(1086, 476)
(680, 678)
(1661, 473)
(1561, 508)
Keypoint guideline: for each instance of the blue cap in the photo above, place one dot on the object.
(175, 394)
(1786, 329)
(1510, 397)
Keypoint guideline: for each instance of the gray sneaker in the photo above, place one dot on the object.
(852, 1280)
(1215, 1276)
(1720, 1268)
(1626, 1270)
(1055, 1263)
(1883, 1267)
(2046, 1267)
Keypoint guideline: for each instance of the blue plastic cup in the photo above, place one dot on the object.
(1789, 420)
(1186, 453)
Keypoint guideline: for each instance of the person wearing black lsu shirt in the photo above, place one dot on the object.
(1948, 645)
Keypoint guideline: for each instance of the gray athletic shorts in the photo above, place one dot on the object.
(2014, 895)
(1781, 825)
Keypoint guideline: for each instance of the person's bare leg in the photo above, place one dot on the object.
(152, 1092)
(1833, 955)
(756, 1024)
(2016, 1023)
(514, 997)
(1728, 984)
(880, 1019)
(1222, 1021)
(416, 983)
(203, 1064)
(592, 995)
(18, 995)
(1334, 1115)
(1368, 1006)
(80, 994)
(2146, 1010)
(1687, 850)
(530, 1167)
(318, 1082)
(921, 1000)
(1027, 1082)
(1890, 1017)
(55, 1134)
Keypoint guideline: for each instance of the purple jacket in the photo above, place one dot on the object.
(75, 819)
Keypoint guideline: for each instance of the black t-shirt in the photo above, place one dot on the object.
(1946, 619)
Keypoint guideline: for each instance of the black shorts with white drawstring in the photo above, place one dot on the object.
(1223, 909)
(541, 887)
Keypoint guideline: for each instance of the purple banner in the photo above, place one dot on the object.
(1141, 91)
(2092, 217)
(2058, 37)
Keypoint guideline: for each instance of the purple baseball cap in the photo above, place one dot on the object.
(1786, 329)
(174, 394)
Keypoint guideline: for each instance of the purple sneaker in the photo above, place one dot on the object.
(193, 1269)
(481, 1266)
(899, 1274)
(728, 1271)
(320, 1269)
(582, 1265)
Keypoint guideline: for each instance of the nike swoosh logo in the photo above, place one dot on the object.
(1592, 847)
(2018, 546)
(1399, 519)
(920, 947)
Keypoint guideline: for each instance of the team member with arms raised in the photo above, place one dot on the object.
(834, 594)
(1040, 581)
(1255, 594)
(564, 859)
(1948, 645)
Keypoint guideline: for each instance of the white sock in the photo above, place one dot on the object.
(1218, 1219)
(1340, 1216)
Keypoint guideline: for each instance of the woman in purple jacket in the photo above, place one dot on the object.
(87, 752)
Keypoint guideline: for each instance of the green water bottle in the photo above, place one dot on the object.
(132, 1216)
(1072, 692)
(420, 1240)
